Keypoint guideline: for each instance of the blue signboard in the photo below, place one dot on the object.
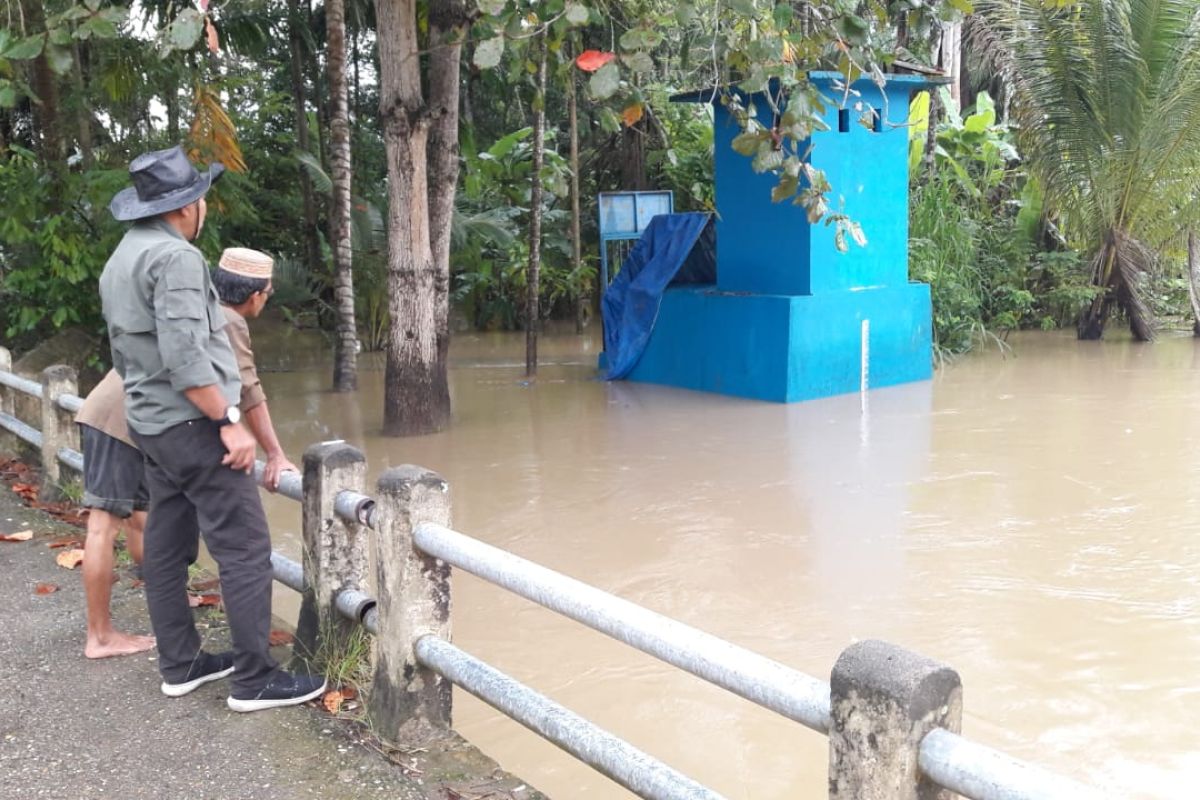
(624, 215)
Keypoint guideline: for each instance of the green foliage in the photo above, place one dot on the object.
(489, 252)
(1108, 108)
(974, 238)
(50, 260)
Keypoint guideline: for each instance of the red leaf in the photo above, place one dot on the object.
(592, 60)
(137, 583)
(277, 638)
(214, 44)
(349, 693)
(333, 701)
(198, 600)
(205, 586)
(64, 541)
(45, 588)
(632, 114)
(19, 536)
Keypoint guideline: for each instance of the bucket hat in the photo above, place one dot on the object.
(163, 181)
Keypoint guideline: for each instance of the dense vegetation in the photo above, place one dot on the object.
(1062, 192)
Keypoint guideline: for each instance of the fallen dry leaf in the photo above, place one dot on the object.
(26, 490)
(278, 638)
(64, 541)
(137, 583)
(45, 588)
(70, 559)
(349, 693)
(333, 702)
(198, 600)
(214, 44)
(19, 536)
(205, 586)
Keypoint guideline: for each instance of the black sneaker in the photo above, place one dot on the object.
(205, 669)
(284, 689)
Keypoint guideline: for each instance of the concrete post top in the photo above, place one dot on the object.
(406, 477)
(59, 373)
(5, 359)
(332, 455)
(883, 672)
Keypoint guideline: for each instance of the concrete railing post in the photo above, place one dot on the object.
(414, 599)
(884, 699)
(336, 551)
(58, 426)
(7, 440)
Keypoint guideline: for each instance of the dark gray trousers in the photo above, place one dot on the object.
(191, 491)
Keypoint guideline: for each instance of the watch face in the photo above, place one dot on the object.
(234, 414)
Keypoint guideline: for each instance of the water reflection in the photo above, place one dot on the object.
(1028, 519)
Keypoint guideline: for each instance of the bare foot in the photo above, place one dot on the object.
(117, 644)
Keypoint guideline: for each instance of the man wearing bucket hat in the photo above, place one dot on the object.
(169, 345)
(243, 282)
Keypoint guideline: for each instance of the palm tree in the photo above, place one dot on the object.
(1108, 104)
(345, 367)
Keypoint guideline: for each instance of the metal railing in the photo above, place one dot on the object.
(947, 759)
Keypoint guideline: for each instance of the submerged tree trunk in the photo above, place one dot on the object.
(1193, 261)
(582, 301)
(345, 360)
(532, 311)
(312, 244)
(421, 142)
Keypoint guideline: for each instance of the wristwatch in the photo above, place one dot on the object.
(233, 415)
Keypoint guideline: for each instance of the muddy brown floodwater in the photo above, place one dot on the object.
(1032, 520)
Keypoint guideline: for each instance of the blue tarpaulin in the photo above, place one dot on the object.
(674, 248)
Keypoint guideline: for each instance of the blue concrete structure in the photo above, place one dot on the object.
(789, 317)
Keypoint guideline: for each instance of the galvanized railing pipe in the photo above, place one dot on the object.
(70, 403)
(622, 762)
(289, 573)
(27, 432)
(981, 773)
(768, 683)
(354, 507)
(72, 458)
(25, 385)
(354, 604)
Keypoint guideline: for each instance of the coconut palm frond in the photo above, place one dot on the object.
(321, 180)
(1107, 101)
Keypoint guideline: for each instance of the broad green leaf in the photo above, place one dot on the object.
(577, 14)
(60, 36)
(605, 82)
(60, 59)
(785, 188)
(25, 49)
(633, 39)
(639, 61)
(489, 52)
(8, 96)
(185, 30)
(747, 142)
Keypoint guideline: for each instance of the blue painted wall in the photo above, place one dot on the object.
(784, 320)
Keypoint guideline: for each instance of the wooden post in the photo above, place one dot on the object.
(336, 551)
(58, 427)
(407, 699)
(884, 699)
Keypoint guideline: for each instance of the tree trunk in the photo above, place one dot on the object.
(46, 113)
(416, 392)
(345, 360)
(582, 301)
(935, 114)
(86, 148)
(633, 162)
(951, 56)
(1095, 317)
(312, 245)
(1193, 261)
(532, 313)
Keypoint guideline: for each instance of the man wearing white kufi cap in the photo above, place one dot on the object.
(243, 282)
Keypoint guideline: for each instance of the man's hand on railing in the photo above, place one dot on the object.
(277, 464)
(241, 447)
